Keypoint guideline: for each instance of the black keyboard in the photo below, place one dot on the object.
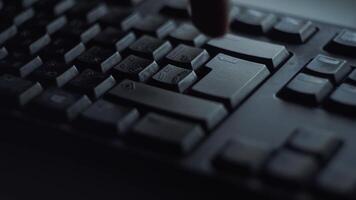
(269, 107)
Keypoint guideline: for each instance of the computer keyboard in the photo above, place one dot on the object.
(269, 107)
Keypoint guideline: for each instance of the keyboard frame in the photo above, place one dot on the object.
(263, 107)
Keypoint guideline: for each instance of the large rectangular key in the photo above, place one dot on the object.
(231, 79)
(272, 55)
(206, 112)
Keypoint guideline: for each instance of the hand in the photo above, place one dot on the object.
(210, 16)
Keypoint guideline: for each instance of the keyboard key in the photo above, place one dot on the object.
(327, 67)
(269, 54)
(43, 24)
(17, 91)
(338, 179)
(122, 19)
(7, 31)
(151, 48)
(65, 50)
(293, 30)
(106, 118)
(3, 53)
(351, 78)
(230, 80)
(20, 64)
(321, 144)
(28, 42)
(253, 21)
(58, 104)
(175, 78)
(114, 39)
(307, 89)
(243, 156)
(344, 43)
(187, 57)
(292, 167)
(168, 134)
(92, 83)
(58, 7)
(343, 99)
(206, 112)
(155, 26)
(92, 11)
(177, 9)
(54, 73)
(80, 31)
(98, 59)
(136, 68)
(24, 16)
(187, 34)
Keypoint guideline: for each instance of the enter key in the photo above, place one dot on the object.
(230, 80)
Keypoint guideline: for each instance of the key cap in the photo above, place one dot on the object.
(7, 31)
(92, 83)
(22, 3)
(3, 53)
(167, 134)
(307, 89)
(328, 67)
(351, 78)
(62, 49)
(292, 167)
(344, 43)
(155, 26)
(253, 21)
(175, 78)
(293, 30)
(177, 9)
(28, 42)
(243, 156)
(57, 7)
(53, 73)
(343, 99)
(57, 104)
(151, 48)
(206, 112)
(24, 16)
(17, 91)
(98, 59)
(269, 54)
(20, 64)
(91, 11)
(321, 144)
(43, 24)
(187, 34)
(187, 57)
(230, 80)
(110, 119)
(114, 39)
(136, 68)
(122, 19)
(80, 31)
(338, 179)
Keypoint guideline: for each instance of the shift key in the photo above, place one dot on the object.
(272, 55)
(206, 112)
(230, 80)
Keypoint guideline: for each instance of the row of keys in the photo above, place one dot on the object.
(303, 156)
(58, 104)
(317, 82)
(287, 29)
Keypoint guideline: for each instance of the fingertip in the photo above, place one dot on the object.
(210, 16)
